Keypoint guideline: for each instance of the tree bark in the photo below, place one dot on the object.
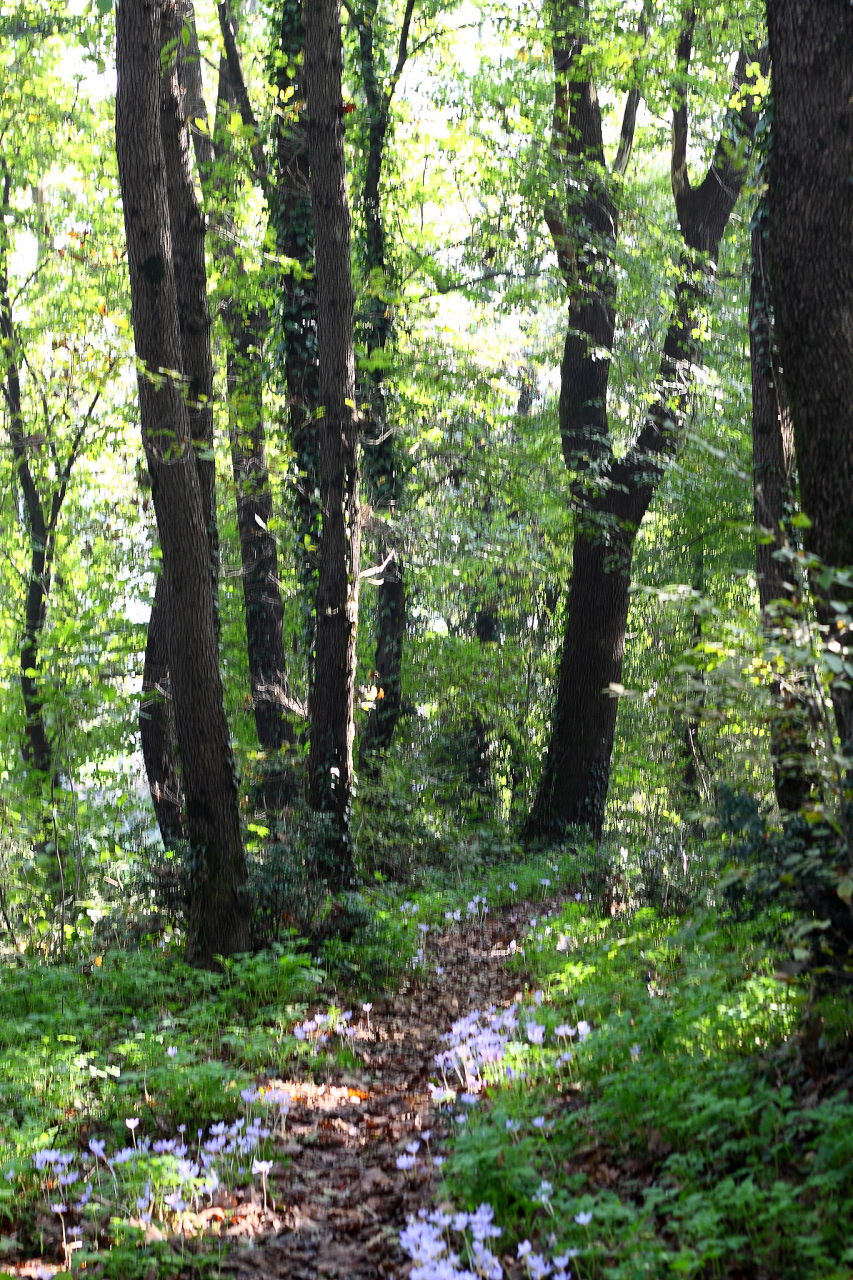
(811, 212)
(218, 916)
(611, 496)
(330, 763)
(774, 484)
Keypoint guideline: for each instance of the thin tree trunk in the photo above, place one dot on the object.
(380, 479)
(156, 725)
(773, 466)
(261, 590)
(262, 600)
(810, 196)
(293, 219)
(218, 922)
(612, 494)
(330, 764)
(42, 520)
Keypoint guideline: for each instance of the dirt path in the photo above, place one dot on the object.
(340, 1197)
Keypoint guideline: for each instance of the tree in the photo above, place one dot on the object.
(245, 326)
(612, 494)
(218, 919)
(810, 199)
(330, 762)
(774, 487)
(42, 516)
(381, 480)
(293, 341)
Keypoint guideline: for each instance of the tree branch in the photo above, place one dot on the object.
(241, 93)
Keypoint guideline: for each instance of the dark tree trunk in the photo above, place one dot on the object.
(188, 258)
(156, 725)
(261, 589)
(219, 905)
(810, 196)
(330, 757)
(244, 325)
(773, 466)
(612, 495)
(380, 479)
(296, 339)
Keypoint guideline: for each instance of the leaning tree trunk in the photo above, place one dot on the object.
(330, 764)
(218, 922)
(187, 233)
(773, 467)
(612, 495)
(810, 195)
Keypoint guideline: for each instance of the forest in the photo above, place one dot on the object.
(426, 596)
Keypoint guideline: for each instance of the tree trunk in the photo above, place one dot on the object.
(330, 757)
(259, 555)
(37, 749)
(380, 479)
(188, 257)
(156, 725)
(773, 487)
(296, 340)
(219, 916)
(811, 212)
(612, 495)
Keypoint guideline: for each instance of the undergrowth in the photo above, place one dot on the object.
(682, 1132)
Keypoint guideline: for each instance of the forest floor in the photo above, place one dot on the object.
(335, 1199)
(650, 1096)
(343, 1201)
